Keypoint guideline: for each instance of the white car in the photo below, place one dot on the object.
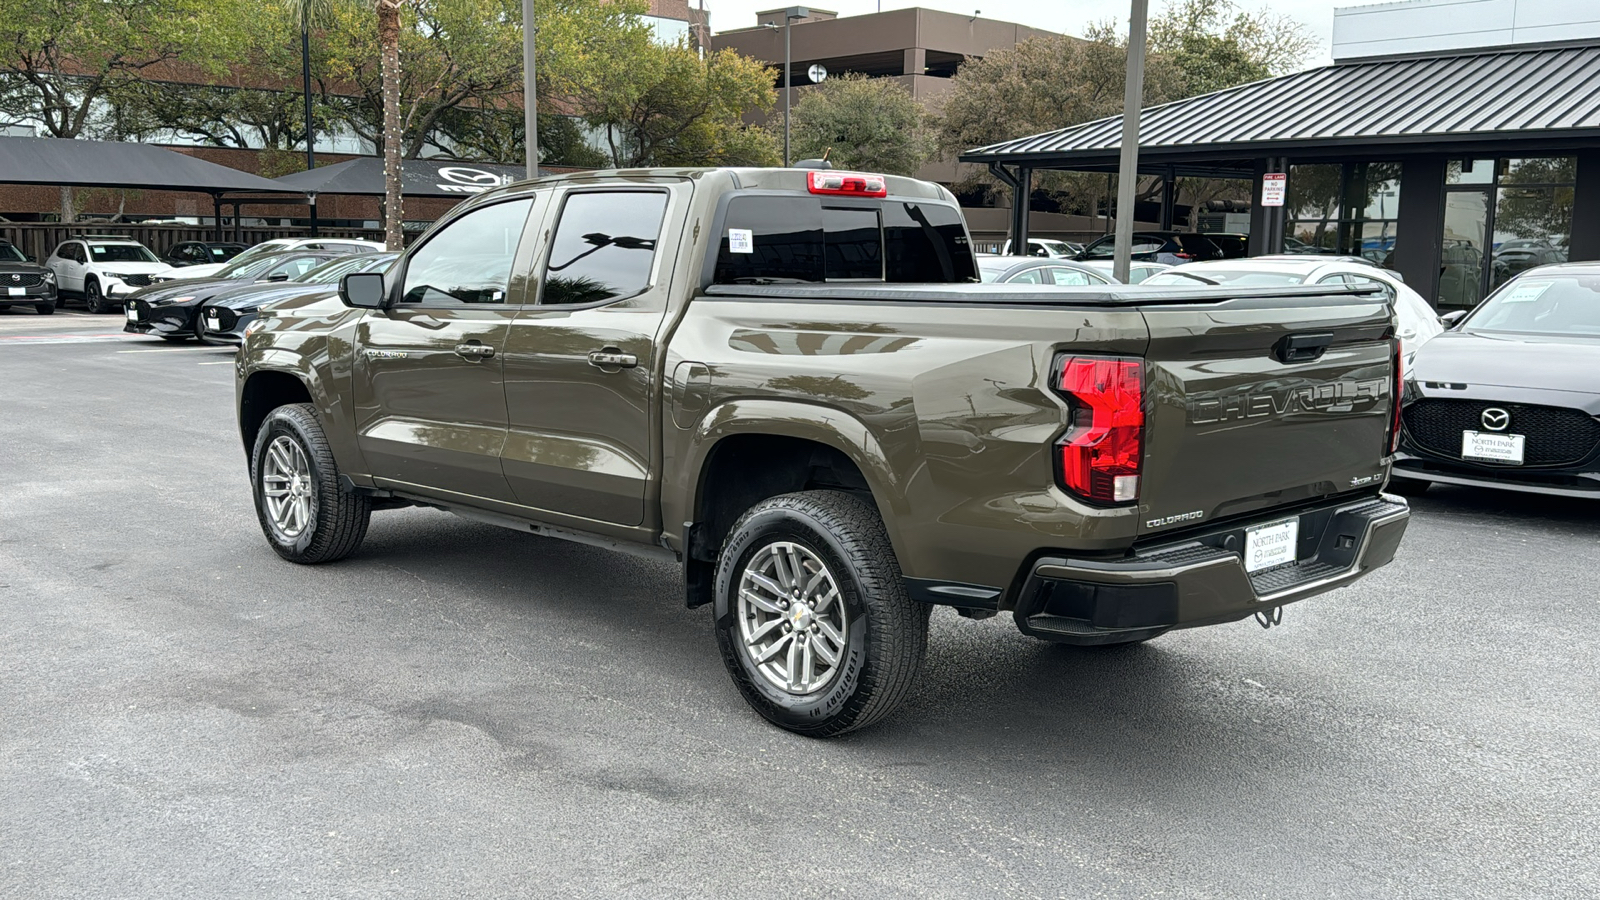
(1418, 321)
(103, 270)
(1138, 271)
(277, 245)
(1047, 247)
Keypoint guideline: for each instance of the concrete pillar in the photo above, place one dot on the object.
(1421, 229)
(1020, 198)
(916, 60)
(1585, 208)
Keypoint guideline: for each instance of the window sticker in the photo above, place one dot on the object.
(1527, 292)
(741, 240)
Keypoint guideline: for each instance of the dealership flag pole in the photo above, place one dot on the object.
(1128, 168)
(530, 95)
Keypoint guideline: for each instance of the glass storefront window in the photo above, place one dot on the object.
(1350, 209)
(1469, 171)
(1532, 215)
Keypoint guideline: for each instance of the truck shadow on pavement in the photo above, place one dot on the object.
(1159, 709)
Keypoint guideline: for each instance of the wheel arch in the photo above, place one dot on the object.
(262, 392)
(744, 452)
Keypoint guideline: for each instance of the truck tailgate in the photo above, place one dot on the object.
(1256, 403)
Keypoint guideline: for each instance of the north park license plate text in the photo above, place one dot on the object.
(1497, 447)
(1271, 545)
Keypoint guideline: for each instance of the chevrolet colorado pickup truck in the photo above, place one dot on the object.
(790, 382)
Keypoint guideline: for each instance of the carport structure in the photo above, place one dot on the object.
(1456, 169)
(116, 164)
(418, 178)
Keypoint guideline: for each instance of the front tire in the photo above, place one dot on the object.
(812, 615)
(93, 300)
(46, 308)
(305, 516)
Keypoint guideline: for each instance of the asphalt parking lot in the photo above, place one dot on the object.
(462, 711)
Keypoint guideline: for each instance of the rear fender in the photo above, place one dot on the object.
(786, 418)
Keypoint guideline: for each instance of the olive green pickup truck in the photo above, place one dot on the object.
(791, 382)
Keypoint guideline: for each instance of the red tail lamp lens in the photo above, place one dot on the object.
(853, 184)
(1101, 453)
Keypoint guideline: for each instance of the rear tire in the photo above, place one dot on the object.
(828, 548)
(1408, 487)
(46, 308)
(305, 516)
(93, 300)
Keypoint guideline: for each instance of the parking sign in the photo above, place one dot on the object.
(1274, 185)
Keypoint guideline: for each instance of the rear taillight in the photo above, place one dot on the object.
(1182, 255)
(1399, 393)
(1101, 452)
(852, 184)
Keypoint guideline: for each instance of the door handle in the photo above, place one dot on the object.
(474, 350)
(612, 358)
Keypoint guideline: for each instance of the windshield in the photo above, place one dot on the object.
(1226, 276)
(1547, 304)
(246, 268)
(101, 253)
(9, 253)
(261, 250)
(330, 271)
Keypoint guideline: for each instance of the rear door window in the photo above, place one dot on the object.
(1071, 277)
(1027, 276)
(604, 247)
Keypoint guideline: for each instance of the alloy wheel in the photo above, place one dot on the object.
(287, 488)
(792, 620)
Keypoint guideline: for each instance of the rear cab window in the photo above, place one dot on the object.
(798, 238)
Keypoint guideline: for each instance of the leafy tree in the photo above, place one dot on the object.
(669, 106)
(861, 123)
(1214, 44)
(63, 63)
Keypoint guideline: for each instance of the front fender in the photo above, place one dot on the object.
(315, 373)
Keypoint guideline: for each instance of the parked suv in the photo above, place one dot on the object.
(193, 253)
(103, 270)
(23, 281)
(1171, 247)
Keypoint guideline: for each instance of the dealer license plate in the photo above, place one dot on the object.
(16, 292)
(133, 314)
(1495, 447)
(1271, 545)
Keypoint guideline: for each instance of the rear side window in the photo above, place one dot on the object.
(604, 247)
(809, 239)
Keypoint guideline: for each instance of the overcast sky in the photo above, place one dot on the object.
(1068, 16)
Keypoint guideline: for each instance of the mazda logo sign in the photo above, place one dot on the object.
(1496, 419)
(16, 278)
(465, 180)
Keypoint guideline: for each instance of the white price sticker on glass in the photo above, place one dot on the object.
(740, 240)
(1526, 292)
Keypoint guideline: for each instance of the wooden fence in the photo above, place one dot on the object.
(37, 240)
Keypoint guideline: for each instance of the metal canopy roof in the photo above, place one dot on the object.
(418, 178)
(1462, 100)
(116, 164)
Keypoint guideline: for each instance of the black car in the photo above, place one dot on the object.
(24, 282)
(167, 310)
(1171, 247)
(225, 316)
(1508, 398)
(193, 253)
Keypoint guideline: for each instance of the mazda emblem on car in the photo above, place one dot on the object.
(1496, 419)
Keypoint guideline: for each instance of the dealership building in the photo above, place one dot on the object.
(1454, 141)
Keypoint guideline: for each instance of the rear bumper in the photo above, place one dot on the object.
(1202, 581)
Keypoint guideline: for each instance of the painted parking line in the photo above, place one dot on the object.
(171, 349)
(33, 339)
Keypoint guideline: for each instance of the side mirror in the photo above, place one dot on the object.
(362, 290)
(1452, 318)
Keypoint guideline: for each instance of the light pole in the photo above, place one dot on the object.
(789, 15)
(1128, 166)
(530, 92)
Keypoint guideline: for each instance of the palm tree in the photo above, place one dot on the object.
(308, 12)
